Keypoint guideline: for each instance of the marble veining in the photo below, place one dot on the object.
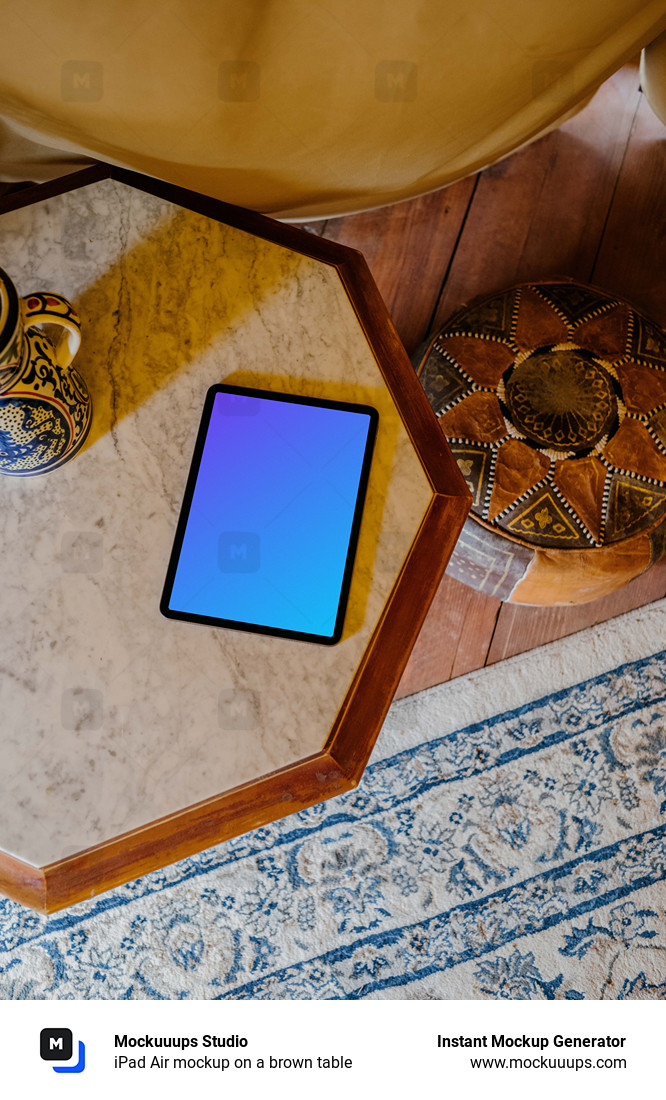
(113, 716)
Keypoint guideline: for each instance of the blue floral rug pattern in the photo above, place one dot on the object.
(519, 857)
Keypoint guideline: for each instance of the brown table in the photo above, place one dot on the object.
(129, 740)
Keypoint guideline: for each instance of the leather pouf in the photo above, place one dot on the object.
(553, 399)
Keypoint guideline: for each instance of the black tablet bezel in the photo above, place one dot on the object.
(258, 628)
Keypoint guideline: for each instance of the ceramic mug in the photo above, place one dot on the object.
(45, 407)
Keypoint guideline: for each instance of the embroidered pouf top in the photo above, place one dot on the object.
(553, 399)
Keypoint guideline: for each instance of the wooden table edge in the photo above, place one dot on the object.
(340, 764)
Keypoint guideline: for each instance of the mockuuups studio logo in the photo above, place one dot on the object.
(238, 552)
(82, 551)
(56, 1044)
(395, 81)
(81, 81)
(238, 709)
(82, 709)
(239, 81)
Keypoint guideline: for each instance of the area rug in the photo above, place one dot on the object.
(517, 853)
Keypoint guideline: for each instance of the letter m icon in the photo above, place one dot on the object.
(238, 552)
(55, 1044)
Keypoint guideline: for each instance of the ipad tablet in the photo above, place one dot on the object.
(271, 514)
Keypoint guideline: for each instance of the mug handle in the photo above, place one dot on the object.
(52, 309)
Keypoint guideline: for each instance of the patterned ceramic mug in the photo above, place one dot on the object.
(45, 407)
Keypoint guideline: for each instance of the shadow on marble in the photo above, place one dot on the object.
(162, 304)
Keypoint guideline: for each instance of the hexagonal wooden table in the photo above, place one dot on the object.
(129, 740)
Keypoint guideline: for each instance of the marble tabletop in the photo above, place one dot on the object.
(111, 715)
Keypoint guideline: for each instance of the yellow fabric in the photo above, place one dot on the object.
(302, 109)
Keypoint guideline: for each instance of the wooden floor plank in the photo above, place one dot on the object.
(541, 212)
(480, 623)
(632, 256)
(520, 629)
(408, 248)
(447, 644)
(449, 638)
(318, 228)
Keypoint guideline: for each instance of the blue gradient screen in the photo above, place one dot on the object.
(268, 531)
